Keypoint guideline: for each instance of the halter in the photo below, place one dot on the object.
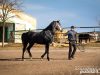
(57, 25)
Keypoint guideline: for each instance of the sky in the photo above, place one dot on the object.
(70, 12)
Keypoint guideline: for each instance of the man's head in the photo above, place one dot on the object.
(72, 27)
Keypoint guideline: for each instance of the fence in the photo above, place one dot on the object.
(59, 37)
(15, 36)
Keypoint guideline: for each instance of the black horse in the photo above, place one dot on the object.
(85, 37)
(44, 37)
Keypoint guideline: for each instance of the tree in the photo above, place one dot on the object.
(7, 6)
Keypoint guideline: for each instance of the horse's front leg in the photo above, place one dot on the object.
(47, 49)
(46, 52)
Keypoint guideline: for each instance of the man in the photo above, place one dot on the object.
(72, 42)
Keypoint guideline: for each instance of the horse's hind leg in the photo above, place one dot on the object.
(28, 49)
(24, 48)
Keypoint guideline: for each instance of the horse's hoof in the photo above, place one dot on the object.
(48, 59)
(31, 58)
(23, 60)
(41, 57)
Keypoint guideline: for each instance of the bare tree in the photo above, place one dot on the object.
(7, 6)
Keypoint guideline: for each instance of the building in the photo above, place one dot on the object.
(18, 22)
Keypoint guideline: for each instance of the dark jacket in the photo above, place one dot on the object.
(72, 35)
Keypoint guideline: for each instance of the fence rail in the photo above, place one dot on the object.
(59, 37)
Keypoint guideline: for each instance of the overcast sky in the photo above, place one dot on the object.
(69, 12)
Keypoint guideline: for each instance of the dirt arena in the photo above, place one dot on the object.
(11, 63)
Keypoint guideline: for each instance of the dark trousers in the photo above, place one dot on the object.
(72, 49)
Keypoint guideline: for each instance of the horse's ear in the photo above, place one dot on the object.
(53, 21)
(58, 20)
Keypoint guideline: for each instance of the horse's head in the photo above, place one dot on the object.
(53, 26)
(57, 25)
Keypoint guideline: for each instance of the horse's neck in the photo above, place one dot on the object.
(51, 31)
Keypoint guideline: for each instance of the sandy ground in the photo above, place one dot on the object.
(11, 63)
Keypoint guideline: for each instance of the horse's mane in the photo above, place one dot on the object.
(49, 27)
